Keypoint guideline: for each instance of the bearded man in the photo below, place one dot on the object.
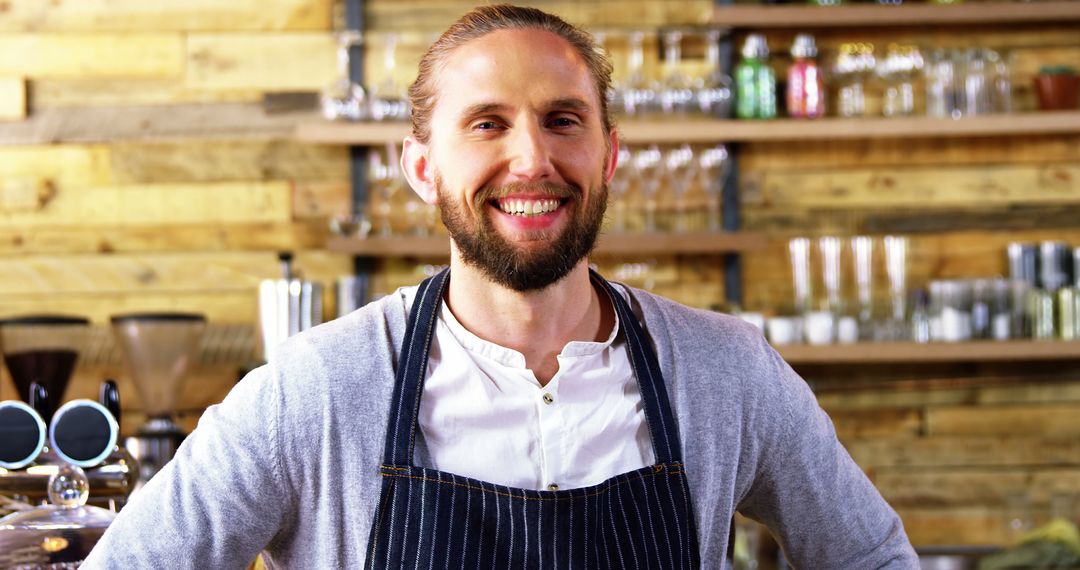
(516, 410)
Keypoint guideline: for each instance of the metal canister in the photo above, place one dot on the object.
(1023, 262)
(1068, 305)
(1055, 265)
(1041, 310)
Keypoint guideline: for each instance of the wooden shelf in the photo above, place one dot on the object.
(711, 130)
(907, 352)
(609, 244)
(851, 15)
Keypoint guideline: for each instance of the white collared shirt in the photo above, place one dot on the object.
(484, 415)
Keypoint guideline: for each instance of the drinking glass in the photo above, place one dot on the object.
(649, 167)
(344, 99)
(675, 94)
(977, 84)
(896, 253)
(680, 173)
(619, 185)
(382, 185)
(799, 254)
(830, 249)
(713, 169)
(637, 95)
(898, 69)
(1001, 72)
(942, 92)
(862, 249)
(853, 63)
(389, 101)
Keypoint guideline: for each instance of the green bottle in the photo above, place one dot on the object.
(755, 81)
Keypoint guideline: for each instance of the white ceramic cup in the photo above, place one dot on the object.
(819, 327)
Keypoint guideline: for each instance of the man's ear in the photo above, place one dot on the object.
(418, 171)
(613, 155)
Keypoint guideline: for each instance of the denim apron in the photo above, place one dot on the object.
(430, 519)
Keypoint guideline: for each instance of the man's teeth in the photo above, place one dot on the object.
(528, 207)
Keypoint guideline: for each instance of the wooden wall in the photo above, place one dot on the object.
(140, 170)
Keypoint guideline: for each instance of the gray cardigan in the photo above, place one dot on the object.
(289, 462)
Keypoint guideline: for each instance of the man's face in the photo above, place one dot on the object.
(519, 156)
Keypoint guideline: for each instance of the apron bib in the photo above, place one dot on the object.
(430, 519)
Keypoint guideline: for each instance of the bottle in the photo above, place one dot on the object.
(805, 90)
(755, 81)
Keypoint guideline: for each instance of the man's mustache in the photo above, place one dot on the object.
(543, 189)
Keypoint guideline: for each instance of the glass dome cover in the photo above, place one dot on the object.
(59, 535)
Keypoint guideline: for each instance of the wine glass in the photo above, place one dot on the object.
(649, 167)
(681, 171)
(344, 99)
(636, 96)
(388, 100)
(675, 95)
(620, 183)
(713, 92)
(713, 172)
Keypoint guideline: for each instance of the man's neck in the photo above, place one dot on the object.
(537, 324)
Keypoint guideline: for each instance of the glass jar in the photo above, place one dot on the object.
(805, 89)
(755, 81)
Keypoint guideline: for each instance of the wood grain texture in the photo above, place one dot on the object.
(973, 487)
(12, 98)
(133, 54)
(164, 15)
(268, 62)
(57, 276)
(163, 238)
(149, 122)
(1014, 449)
(121, 92)
(1061, 420)
(134, 205)
(227, 161)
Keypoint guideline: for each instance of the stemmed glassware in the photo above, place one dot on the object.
(712, 172)
(344, 99)
(713, 92)
(619, 185)
(681, 171)
(676, 96)
(637, 95)
(649, 167)
(389, 101)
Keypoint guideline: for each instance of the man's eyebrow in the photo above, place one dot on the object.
(570, 104)
(483, 109)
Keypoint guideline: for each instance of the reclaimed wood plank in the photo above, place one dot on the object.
(121, 92)
(949, 527)
(164, 15)
(239, 306)
(149, 122)
(136, 54)
(269, 61)
(973, 487)
(12, 98)
(252, 202)
(1061, 420)
(163, 238)
(1040, 449)
(52, 276)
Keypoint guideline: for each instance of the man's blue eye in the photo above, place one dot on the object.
(486, 125)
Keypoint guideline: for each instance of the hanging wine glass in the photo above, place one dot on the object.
(389, 101)
(344, 99)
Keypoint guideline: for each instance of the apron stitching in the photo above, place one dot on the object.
(423, 366)
(382, 515)
(415, 318)
(511, 495)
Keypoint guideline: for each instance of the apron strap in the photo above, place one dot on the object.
(658, 416)
(412, 368)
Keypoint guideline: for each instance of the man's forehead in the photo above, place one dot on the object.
(518, 64)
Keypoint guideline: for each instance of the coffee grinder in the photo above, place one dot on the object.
(158, 348)
(41, 352)
(43, 349)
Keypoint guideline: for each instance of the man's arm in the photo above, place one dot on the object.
(810, 493)
(219, 501)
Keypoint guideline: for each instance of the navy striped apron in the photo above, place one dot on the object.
(430, 519)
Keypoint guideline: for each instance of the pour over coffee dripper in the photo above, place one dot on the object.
(43, 349)
(158, 349)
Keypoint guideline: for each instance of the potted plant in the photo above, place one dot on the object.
(1056, 87)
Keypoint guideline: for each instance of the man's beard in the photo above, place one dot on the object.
(524, 267)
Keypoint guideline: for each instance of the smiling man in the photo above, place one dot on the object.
(516, 410)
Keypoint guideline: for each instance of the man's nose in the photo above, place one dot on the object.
(530, 157)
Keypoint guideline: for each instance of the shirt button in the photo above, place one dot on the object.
(553, 487)
(548, 398)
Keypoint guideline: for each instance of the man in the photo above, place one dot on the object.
(516, 411)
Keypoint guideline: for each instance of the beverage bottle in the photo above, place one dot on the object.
(805, 89)
(755, 81)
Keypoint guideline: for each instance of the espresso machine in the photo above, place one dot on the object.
(159, 349)
(41, 353)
